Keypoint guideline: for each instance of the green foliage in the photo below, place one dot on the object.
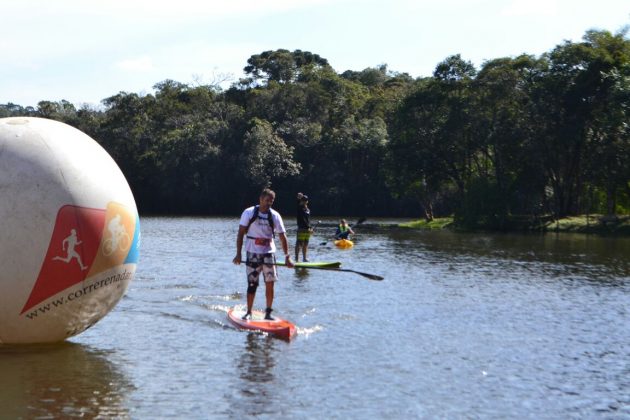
(14, 110)
(266, 155)
(594, 223)
(454, 69)
(517, 140)
(282, 65)
(438, 223)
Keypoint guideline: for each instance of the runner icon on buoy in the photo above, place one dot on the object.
(68, 245)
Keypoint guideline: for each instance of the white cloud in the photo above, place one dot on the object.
(139, 64)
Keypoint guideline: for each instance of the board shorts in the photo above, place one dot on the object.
(255, 265)
(303, 235)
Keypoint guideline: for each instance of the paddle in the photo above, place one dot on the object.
(316, 224)
(361, 220)
(366, 275)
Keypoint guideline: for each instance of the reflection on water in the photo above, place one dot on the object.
(555, 255)
(301, 279)
(60, 380)
(255, 366)
(256, 363)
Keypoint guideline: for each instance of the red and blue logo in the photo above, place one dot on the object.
(85, 242)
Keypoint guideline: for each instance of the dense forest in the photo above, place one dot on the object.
(522, 136)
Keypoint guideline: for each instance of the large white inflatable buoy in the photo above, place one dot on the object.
(70, 231)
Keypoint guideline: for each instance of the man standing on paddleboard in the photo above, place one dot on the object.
(304, 227)
(260, 223)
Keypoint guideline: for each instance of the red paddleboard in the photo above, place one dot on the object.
(279, 327)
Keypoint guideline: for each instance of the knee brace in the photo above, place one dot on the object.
(251, 288)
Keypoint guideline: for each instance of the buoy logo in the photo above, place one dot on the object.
(85, 242)
(69, 245)
(118, 237)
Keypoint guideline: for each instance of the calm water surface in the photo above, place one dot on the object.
(463, 326)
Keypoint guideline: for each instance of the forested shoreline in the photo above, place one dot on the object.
(521, 138)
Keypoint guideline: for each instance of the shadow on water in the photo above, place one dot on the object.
(301, 273)
(59, 381)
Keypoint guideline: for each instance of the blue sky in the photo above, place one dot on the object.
(84, 51)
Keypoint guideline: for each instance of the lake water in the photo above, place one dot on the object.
(463, 326)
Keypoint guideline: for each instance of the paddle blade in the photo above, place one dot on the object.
(366, 275)
(370, 276)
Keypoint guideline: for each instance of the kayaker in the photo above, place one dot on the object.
(260, 223)
(305, 229)
(343, 230)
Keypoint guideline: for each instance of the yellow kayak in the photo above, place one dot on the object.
(344, 243)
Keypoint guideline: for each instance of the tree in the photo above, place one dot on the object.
(608, 131)
(577, 101)
(266, 155)
(281, 65)
(14, 110)
(61, 111)
(416, 160)
(454, 69)
(503, 122)
(433, 146)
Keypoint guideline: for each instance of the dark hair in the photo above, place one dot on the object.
(268, 192)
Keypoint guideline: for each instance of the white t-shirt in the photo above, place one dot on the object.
(262, 230)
